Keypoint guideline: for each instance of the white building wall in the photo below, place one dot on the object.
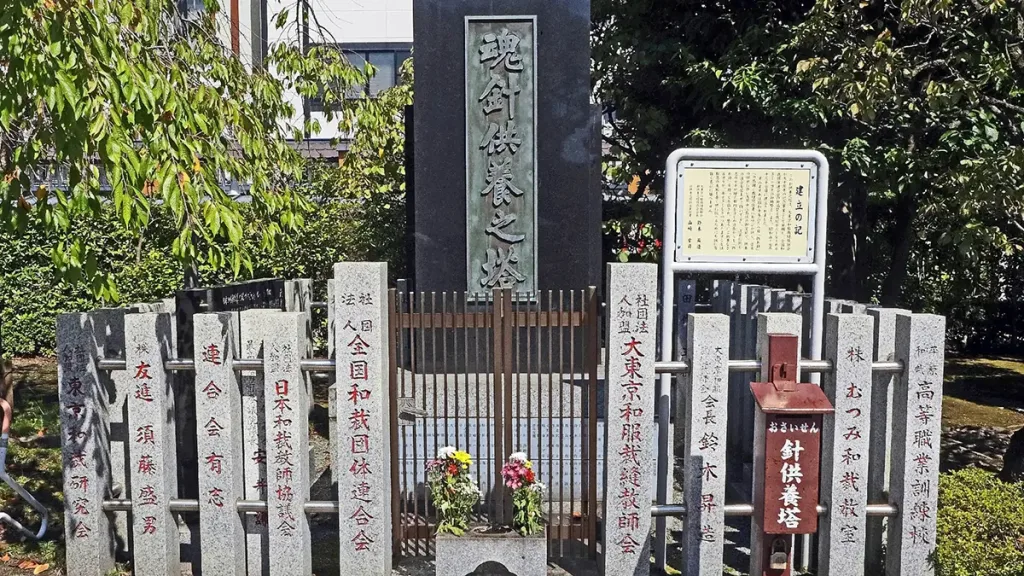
(367, 20)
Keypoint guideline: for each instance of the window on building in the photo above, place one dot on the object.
(386, 61)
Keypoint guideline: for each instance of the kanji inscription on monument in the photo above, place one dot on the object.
(501, 195)
(629, 412)
(740, 211)
(792, 445)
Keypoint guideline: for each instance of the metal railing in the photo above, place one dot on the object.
(328, 365)
(664, 510)
(331, 507)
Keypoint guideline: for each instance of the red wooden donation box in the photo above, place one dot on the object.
(790, 450)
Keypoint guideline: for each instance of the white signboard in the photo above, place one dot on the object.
(745, 211)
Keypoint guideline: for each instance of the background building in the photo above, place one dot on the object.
(374, 31)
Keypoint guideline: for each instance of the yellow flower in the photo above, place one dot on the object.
(463, 457)
(528, 464)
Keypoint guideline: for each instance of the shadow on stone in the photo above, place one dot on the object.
(490, 569)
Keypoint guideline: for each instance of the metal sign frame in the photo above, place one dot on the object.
(671, 268)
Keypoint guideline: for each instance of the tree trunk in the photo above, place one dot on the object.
(902, 242)
(844, 231)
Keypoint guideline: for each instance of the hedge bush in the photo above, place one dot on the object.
(980, 525)
(32, 293)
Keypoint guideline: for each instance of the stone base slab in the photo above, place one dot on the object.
(520, 555)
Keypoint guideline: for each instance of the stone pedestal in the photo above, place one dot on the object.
(520, 555)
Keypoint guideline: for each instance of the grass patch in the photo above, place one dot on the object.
(984, 392)
(34, 461)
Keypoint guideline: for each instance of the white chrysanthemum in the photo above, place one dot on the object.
(537, 486)
(518, 457)
(446, 452)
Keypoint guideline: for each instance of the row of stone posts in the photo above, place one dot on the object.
(251, 432)
(883, 422)
(252, 426)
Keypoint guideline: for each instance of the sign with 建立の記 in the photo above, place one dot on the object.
(745, 211)
(501, 158)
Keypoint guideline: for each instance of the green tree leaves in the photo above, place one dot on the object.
(138, 107)
(918, 104)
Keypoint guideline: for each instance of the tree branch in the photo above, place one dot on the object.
(930, 65)
(1003, 103)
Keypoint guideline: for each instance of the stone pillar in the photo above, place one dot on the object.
(844, 448)
(298, 295)
(254, 324)
(84, 392)
(758, 302)
(737, 331)
(851, 307)
(119, 437)
(630, 456)
(916, 434)
(880, 443)
(332, 391)
(219, 442)
(766, 324)
(153, 450)
(286, 418)
(362, 450)
(686, 302)
(800, 303)
(706, 410)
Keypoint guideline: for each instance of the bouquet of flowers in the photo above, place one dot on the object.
(452, 490)
(519, 476)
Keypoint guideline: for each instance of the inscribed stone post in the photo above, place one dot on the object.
(362, 451)
(916, 433)
(332, 390)
(879, 450)
(844, 449)
(706, 409)
(219, 442)
(83, 394)
(766, 324)
(286, 419)
(630, 457)
(153, 464)
(254, 325)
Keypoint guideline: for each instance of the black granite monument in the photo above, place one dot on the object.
(505, 151)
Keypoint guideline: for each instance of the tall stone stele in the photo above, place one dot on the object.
(480, 218)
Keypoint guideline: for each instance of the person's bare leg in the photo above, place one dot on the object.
(7, 382)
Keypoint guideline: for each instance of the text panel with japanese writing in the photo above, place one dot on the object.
(746, 211)
(501, 195)
(791, 453)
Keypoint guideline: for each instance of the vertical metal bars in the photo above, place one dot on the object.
(514, 373)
